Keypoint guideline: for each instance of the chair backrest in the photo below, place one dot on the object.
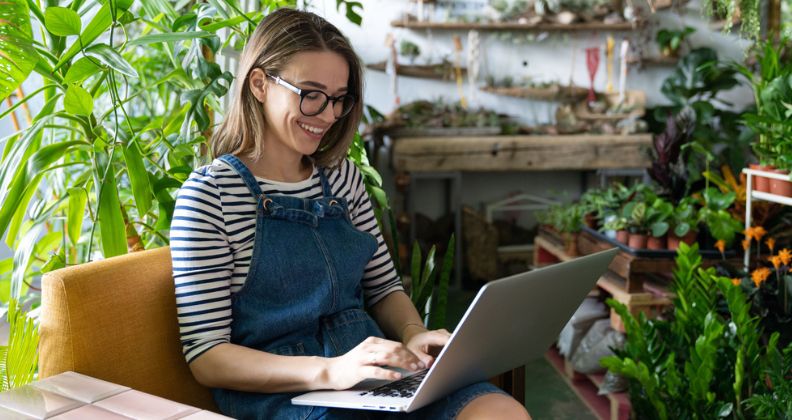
(115, 319)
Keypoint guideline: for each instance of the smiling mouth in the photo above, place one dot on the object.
(315, 132)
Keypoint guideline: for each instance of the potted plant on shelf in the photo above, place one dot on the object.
(410, 50)
(617, 225)
(771, 118)
(635, 214)
(684, 221)
(670, 41)
(657, 219)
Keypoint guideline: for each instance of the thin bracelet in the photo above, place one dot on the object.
(407, 325)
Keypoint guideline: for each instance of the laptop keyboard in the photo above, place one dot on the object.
(404, 387)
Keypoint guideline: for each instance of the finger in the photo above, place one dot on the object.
(373, 372)
(431, 338)
(402, 358)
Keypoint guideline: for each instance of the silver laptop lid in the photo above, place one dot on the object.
(511, 321)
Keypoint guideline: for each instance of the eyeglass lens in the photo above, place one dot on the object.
(314, 102)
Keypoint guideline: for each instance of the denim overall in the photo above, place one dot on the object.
(302, 295)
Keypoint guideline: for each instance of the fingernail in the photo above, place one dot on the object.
(413, 366)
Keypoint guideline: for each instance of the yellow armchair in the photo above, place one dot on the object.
(115, 320)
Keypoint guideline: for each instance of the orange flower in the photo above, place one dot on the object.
(749, 233)
(770, 243)
(758, 232)
(746, 243)
(760, 275)
(736, 281)
(776, 260)
(721, 245)
(785, 255)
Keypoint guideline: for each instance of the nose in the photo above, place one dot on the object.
(327, 114)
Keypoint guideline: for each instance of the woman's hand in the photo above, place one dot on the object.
(365, 361)
(420, 342)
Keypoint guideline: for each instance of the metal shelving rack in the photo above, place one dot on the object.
(759, 195)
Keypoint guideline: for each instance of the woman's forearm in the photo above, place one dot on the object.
(397, 317)
(231, 366)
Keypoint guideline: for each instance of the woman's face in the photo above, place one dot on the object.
(290, 134)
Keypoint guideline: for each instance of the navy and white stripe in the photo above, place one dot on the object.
(212, 241)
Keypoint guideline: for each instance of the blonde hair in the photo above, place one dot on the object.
(277, 38)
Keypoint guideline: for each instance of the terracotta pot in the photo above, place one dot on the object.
(637, 241)
(656, 243)
(761, 183)
(622, 236)
(673, 240)
(780, 187)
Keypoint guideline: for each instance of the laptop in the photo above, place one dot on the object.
(510, 322)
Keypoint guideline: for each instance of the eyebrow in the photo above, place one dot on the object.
(321, 86)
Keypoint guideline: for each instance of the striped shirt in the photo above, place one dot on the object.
(211, 241)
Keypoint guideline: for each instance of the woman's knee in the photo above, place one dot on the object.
(494, 406)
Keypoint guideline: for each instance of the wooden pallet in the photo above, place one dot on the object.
(613, 406)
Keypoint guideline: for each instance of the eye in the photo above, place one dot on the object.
(313, 95)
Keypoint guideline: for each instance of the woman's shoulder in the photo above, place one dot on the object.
(346, 173)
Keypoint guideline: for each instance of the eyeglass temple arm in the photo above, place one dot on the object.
(285, 84)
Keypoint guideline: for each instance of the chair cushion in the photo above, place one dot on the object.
(115, 320)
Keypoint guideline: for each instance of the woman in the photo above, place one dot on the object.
(276, 249)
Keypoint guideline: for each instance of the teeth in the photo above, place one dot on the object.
(311, 129)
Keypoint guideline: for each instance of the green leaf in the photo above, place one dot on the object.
(111, 221)
(437, 318)
(415, 270)
(17, 55)
(81, 70)
(138, 177)
(78, 198)
(111, 58)
(168, 37)
(62, 21)
(28, 176)
(236, 20)
(18, 361)
(78, 101)
(96, 27)
(351, 13)
(23, 255)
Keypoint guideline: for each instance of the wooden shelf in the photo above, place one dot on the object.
(521, 153)
(436, 71)
(514, 26)
(551, 93)
(654, 61)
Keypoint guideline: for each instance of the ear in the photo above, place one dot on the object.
(257, 82)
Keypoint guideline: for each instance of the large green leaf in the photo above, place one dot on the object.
(111, 58)
(62, 21)
(138, 177)
(23, 255)
(78, 101)
(82, 69)
(168, 37)
(17, 55)
(111, 221)
(78, 198)
(28, 176)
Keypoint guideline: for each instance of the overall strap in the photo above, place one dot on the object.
(244, 173)
(326, 191)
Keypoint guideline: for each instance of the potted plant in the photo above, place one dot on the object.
(684, 220)
(670, 41)
(410, 50)
(617, 225)
(771, 118)
(657, 219)
(635, 214)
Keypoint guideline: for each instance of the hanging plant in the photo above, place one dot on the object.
(744, 11)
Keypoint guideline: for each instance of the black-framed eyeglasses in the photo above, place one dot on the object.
(313, 102)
